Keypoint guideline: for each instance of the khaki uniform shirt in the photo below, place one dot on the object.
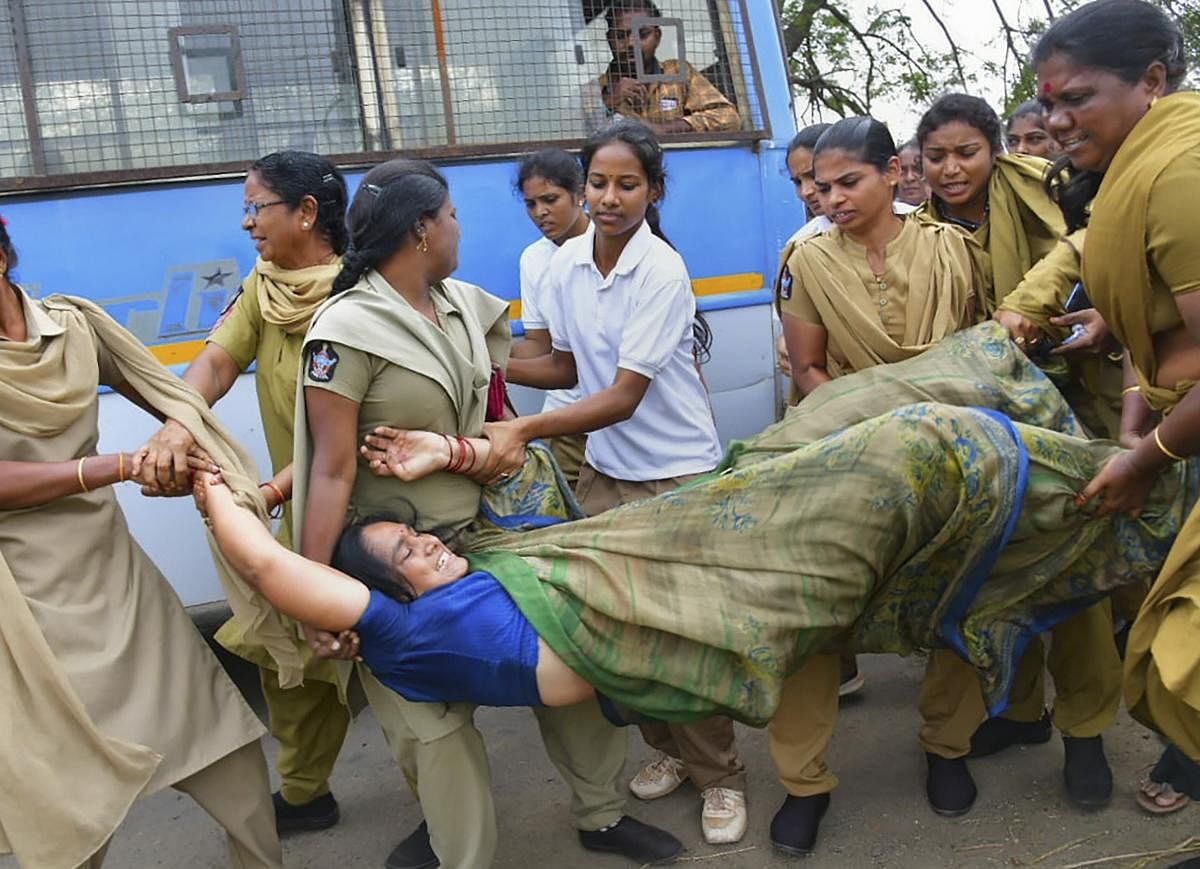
(696, 101)
(390, 395)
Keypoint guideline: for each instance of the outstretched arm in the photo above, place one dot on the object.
(312, 593)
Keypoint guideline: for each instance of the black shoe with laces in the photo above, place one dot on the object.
(415, 852)
(1086, 773)
(949, 786)
(794, 827)
(319, 814)
(997, 734)
(630, 838)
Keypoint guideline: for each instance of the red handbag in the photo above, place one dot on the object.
(497, 399)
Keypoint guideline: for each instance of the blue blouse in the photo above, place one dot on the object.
(462, 642)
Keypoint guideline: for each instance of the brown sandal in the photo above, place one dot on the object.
(1149, 792)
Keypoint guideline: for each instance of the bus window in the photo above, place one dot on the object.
(121, 90)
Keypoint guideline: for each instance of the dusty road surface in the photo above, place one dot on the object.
(879, 816)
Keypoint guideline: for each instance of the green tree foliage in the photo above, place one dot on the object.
(843, 57)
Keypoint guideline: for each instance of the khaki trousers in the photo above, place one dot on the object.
(589, 754)
(1086, 668)
(800, 732)
(310, 723)
(568, 452)
(236, 793)
(443, 757)
(706, 747)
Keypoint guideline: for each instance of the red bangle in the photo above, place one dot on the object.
(276, 511)
(455, 463)
(474, 455)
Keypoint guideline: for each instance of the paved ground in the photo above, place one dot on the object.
(879, 816)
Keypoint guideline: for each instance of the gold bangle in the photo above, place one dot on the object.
(1129, 389)
(120, 467)
(79, 473)
(1166, 452)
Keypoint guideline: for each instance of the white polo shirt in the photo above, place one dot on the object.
(638, 318)
(535, 306)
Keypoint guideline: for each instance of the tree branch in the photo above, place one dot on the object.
(962, 77)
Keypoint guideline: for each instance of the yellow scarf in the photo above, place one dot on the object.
(1022, 226)
(1115, 266)
(288, 298)
(940, 295)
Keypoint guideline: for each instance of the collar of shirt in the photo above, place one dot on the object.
(38, 324)
(635, 251)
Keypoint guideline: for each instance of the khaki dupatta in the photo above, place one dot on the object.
(288, 298)
(1022, 226)
(940, 295)
(43, 719)
(374, 318)
(1116, 270)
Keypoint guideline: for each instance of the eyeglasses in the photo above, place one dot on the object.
(251, 209)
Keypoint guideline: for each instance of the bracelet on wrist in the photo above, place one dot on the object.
(1163, 448)
(275, 512)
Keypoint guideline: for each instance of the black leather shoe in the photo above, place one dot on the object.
(319, 814)
(997, 734)
(794, 827)
(415, 852)
(949, 786)
(630, 838)
(1086, 772)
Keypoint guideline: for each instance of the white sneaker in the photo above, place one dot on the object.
(659, 777)
(723, 818)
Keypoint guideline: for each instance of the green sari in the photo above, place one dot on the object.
(871, 518)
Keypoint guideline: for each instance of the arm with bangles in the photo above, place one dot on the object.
(1126, 480)
(32, 484)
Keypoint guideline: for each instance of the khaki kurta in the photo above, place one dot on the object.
(695, 100)
(927, 291)
(1141, 250)
(113, 624)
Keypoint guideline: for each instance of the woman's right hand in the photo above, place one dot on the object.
(1024, 332)
(406, 455)
(161, 465)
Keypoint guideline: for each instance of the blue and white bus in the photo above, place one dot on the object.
(126, 127)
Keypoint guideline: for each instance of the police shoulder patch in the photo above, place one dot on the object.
(322, 360)
(224, 315)
(785, 283)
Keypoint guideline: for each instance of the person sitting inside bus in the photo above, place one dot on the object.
(692, 105)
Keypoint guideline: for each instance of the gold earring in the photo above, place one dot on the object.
(423, 244)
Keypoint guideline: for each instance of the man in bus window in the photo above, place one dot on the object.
(691, 105)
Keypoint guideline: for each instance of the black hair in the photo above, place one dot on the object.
(6, 248)
(389, 203)
(639, 139)
(352, 556)
(558, 167)
(971, 111)
(292, 175)
(864, 138)
(1123, 37)
(806, 138)
(617, 7)
(1024, 110)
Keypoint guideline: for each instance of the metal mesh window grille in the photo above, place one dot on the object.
(89, 91)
